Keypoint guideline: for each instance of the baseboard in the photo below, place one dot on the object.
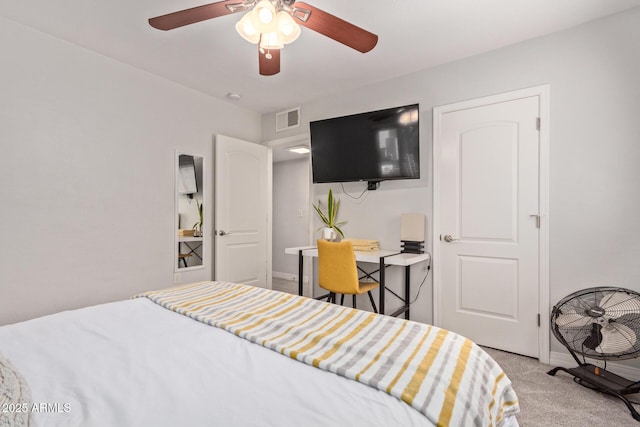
(288, 276)
(293, 278)
(284, 276)
(566, 361)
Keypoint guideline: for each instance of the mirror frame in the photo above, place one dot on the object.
(177, 196)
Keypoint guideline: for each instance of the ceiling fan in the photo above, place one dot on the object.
(271, 24)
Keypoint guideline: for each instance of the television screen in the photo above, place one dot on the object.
(373, 146)
(187, 182)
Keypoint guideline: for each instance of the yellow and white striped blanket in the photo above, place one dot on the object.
(443, 375)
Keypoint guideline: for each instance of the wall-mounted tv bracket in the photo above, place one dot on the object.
(373, 185)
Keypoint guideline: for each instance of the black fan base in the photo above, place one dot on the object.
(604, 381)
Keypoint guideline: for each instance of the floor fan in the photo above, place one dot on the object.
(600, 323)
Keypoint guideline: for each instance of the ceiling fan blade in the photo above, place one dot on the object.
(196, 14)
(334, 27)
(269, 66)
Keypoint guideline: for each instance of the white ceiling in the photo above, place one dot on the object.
(212, 58)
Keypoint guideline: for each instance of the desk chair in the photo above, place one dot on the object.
(183, 258)
(338, 273)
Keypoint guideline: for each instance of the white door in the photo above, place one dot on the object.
(489, 224)
(241, 217)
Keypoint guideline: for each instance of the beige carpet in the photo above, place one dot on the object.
(558, 400)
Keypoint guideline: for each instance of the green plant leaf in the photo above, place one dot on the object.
(321, 214)
(330, 217)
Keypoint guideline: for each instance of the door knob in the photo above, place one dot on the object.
(223, 233)
(448, 238)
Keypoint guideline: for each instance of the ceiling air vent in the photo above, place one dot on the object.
(288, 119)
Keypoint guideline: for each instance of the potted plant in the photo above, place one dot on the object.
(197, 227)
(331, 227)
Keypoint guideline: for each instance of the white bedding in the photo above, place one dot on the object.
(134, 363)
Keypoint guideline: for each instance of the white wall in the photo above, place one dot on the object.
(290, 212)
(595, 151)
(87, 150)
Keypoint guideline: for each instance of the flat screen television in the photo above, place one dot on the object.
(187, 182)
(374, 146)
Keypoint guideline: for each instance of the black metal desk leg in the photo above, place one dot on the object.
(300, 271)
(382, 292)
(407, 289)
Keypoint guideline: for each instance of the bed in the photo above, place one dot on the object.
(218, 353)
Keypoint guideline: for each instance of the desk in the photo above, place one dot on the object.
(192, 243)
(383, 258)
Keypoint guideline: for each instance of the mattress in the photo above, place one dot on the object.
(136, 363)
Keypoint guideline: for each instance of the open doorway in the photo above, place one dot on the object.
(291, 211)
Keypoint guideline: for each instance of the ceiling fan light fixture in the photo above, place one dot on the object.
(271, 24)
(272, 40)
(245, 28)
(289, 30)
(263, 17)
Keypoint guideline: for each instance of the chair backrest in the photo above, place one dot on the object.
(337, 271)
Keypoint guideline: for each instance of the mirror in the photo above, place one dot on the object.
(190, 202)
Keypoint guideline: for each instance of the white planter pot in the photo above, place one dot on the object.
(329, 234)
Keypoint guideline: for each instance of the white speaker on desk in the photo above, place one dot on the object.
(412, 229)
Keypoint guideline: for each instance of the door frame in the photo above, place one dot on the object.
(543, 93)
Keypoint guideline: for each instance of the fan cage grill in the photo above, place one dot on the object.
(608, 307)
